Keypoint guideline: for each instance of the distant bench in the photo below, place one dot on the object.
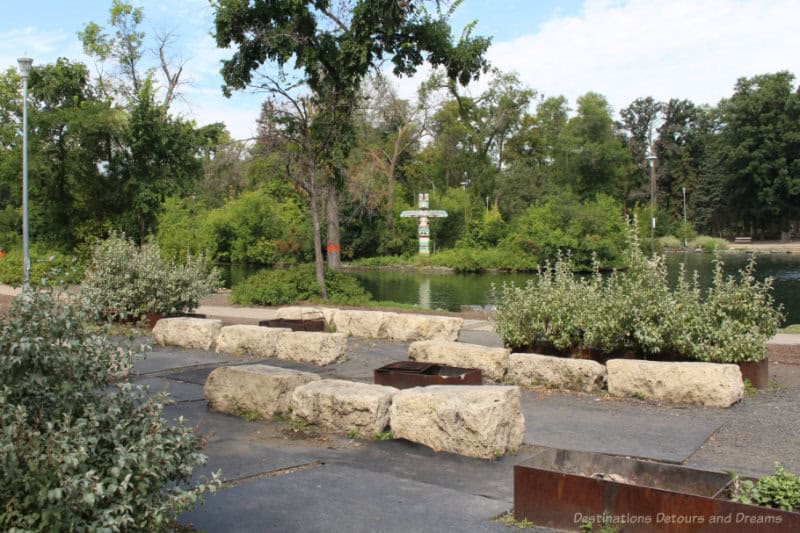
(743, 240)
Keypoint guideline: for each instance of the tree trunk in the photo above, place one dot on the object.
(390, 199)
(317, 243)
(334, 236)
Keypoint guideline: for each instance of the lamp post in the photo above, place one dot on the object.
(651, 159)
(464, 185)
(24, 70)
(684, 217)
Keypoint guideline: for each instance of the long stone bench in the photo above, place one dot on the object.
(198, 333)
(401, 327)
(493, 362)
(260, 389)
(709, 384)
(254, 341)
(344, 406)
(528, 369)
(484, 422)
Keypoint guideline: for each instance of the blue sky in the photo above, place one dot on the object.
(623, 49)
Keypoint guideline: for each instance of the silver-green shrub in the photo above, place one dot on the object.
(636, 311)
(79, 451)
(124, 280)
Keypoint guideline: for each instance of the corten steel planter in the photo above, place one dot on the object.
(407, 374)
(563, 488)
(313, 324)
(757, 373)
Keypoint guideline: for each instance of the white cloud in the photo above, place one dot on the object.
(693, 49)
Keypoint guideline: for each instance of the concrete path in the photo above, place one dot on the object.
(277, 479)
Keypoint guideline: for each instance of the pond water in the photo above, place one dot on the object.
(451, 291)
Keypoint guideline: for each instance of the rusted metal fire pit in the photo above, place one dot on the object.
(407, 374)
(311, 324)
(563, 489)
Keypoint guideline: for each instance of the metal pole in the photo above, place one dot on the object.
(684, 218)
(25, 65)
(652, 160)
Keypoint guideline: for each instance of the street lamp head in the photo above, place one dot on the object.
(25, 66)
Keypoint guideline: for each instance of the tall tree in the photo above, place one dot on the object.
(596, 158)
(641, 120)
(124, 51)
(331, 46)
(761, 151)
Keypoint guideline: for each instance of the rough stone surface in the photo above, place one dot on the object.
(344, 406)
(708, 384)
(249, 340)
(556, 372)
(200, 333)
(263, 389)
(305, 313)
(493, 362)
(480, 422)
(313, 347)
(407, 327)
(366, 324)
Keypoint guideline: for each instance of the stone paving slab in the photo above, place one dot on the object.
(168, 357)
(239, 460)
(180, 391)
(602, 426)
(337, 498)
(213, 426)
(415, 462)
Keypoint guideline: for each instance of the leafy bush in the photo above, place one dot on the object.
(708, 244)
(125, 280)
(284, 286)
(77, 454)
(635, 310)
(55, 267)
(778, 491)
(590, 231)
(479, 260)
(669, 241)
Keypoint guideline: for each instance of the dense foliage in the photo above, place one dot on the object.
(54, 267)
(636, 311)
(284, 286)
(78, 452)
(339, 154)
(127, 281)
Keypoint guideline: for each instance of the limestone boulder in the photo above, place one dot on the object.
(344, 406)
(708, 384)
(493, 362)
(528, 369)
(199, 333)
(365, 324)
(254, 341)
(484, 422)
(405, 327)
(261, 389)
(305, 313)
(315, 347)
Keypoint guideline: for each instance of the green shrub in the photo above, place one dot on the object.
(383, 261)
(125, 280)
(708, 244)
(285, 286)
(669, 241)
(77, 454)
(55, 267)
(591, 231)
(635, 310)
(778, 491)
(469, 260)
